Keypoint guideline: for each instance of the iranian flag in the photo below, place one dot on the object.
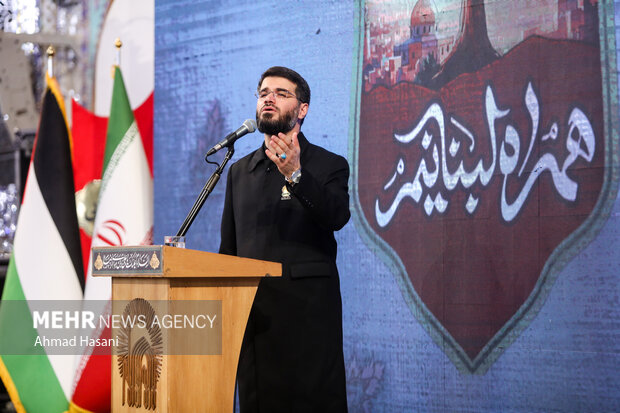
(124, 217)
(46, 264)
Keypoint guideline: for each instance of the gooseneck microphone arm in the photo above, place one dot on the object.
(206, 191)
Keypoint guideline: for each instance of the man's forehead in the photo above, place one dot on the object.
(276, 82)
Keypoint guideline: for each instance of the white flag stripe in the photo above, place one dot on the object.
(40, 250)
(63, 365)
(128, 199)
(127, 193)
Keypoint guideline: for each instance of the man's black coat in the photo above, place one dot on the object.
(291, 356)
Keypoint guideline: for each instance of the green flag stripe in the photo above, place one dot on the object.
(117, 157)
(31, 375)
(120, 118)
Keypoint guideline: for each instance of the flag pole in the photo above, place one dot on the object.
(118, 44)
(50, 61)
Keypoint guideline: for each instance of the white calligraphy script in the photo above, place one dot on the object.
(580, 142)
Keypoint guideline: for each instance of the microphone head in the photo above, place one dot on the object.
(250, 124)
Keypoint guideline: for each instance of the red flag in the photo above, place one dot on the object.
(88, 131)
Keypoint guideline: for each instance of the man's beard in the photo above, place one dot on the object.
(285, 123)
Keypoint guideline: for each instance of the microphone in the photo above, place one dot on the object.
(248, 126)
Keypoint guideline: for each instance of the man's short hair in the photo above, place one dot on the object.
(302, 90)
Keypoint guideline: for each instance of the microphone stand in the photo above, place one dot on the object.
(206, 191)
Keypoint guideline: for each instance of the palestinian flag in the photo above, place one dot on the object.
(46, 264)
(124, 217)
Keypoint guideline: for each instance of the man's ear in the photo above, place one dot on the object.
(303, 111)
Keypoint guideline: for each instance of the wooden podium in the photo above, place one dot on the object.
(143, 380)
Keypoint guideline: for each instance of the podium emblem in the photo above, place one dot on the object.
(140, 356)
(98, 262)
(154, 261)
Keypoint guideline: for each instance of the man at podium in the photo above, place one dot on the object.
(283, 203)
